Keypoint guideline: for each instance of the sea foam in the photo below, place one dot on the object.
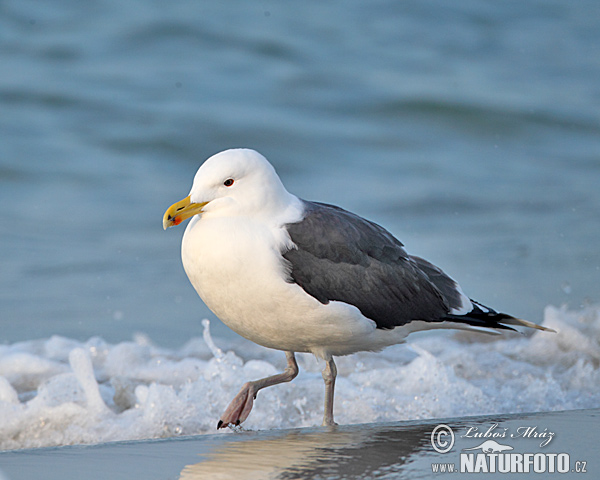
(59, 391)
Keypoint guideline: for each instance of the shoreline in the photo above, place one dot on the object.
(344, 451)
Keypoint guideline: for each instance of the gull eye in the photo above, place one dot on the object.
(228, 182)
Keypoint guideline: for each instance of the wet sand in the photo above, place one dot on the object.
(375, 451)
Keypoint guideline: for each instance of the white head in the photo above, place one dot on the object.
(237, 182)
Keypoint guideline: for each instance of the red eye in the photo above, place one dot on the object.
(228, 182)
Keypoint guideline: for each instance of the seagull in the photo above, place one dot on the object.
(302, 276)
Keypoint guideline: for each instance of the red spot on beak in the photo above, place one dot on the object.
(176, 220)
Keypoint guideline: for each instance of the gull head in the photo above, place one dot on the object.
(236, 182)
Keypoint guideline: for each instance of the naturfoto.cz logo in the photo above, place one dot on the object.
(492, 456)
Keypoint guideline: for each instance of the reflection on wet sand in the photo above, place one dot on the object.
(380, 451)
(339, 452)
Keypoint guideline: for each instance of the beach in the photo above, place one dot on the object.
(375, 451)
(469, 131)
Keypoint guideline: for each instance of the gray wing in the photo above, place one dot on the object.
(446, 285)
(341, 256)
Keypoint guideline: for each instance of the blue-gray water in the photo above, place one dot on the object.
(381, 451)
(471, 130)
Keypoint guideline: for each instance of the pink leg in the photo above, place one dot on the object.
(240, 407)
(329, 375)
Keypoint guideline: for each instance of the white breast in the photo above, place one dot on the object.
(236, 267)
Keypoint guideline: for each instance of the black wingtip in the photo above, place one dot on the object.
(220, 424)
(482, 316)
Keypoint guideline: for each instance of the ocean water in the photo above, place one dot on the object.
(59, 391)
(377, 451)
(471, 131)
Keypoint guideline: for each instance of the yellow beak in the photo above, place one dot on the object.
(181, 210)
